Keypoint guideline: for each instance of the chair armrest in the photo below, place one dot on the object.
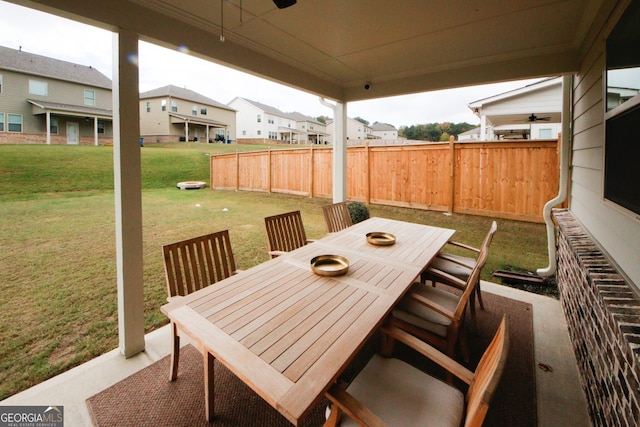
(457, 260)
(463, 246)
(432, 305)
(353, 408)
(446, 276)
(430, 352)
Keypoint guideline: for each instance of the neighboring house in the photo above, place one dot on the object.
(171, 113)
(384, 131)
(45, 100)
(316, 131)
(356, 131)
(470, 135)
(531, 112)
(261, 123)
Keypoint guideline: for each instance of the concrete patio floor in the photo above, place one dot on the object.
(560, 399)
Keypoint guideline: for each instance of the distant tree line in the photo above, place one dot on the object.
(427, 132)
(434, 131)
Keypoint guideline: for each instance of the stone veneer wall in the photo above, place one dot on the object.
(603, 316)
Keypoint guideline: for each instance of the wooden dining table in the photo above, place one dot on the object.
(289, 333)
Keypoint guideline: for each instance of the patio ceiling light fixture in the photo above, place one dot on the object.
(284, 3)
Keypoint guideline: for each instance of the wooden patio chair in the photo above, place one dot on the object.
(285, 232)
(193, 264)
(436, 315)
(337, 216)
(391, 392)
(460, 267)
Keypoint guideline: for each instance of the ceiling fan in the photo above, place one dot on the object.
(284, 3)
(534, 118)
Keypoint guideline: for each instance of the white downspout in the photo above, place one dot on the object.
(565, 148)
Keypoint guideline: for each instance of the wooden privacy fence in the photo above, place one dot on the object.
(498, 179)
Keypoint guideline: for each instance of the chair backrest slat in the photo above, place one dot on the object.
(285, 232)
(195, 263)
(337, 216)
(487, 376)
(472, 282)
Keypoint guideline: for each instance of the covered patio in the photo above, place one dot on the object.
(424, 46)
(560, 400)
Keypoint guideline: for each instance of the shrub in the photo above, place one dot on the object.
(358, 211)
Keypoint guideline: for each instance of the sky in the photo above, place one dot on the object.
(48, 35)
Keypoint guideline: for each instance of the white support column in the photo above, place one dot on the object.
(95, 131)
(186, 131)
(340, 154)
(48, 119)
(128, 192)
(483, 127)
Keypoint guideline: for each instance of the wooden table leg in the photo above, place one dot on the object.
(208, 386)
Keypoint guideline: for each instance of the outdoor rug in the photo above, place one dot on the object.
(148, 398)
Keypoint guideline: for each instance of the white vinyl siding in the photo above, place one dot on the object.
(617, 232)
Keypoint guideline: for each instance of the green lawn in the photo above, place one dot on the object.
(58, 275)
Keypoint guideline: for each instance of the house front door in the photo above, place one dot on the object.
(72, 134)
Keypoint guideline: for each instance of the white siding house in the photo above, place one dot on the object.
(384, 131)
(356, 131)
(261, 123)
(531, 112)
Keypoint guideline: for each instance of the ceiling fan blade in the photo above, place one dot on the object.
(284, 3)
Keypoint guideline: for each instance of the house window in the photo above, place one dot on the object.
(164, 105)
(53, 125)
(148, 106)
(621, 152)
(1, 122)
(174, 106)
(0, 84)
(244, 133)
(259, 132)
(15, 122)
(194, 110)
(89, 97)
(100, 127)
(259, 118)
(203, 111)
(542, 134)
(271, 121)
(37, 87)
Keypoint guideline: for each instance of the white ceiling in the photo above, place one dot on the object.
(333, 47)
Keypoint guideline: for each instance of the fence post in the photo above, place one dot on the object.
(368, 172)
(237, 170)
(311, 153)
(452, 173)
(269, 166)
